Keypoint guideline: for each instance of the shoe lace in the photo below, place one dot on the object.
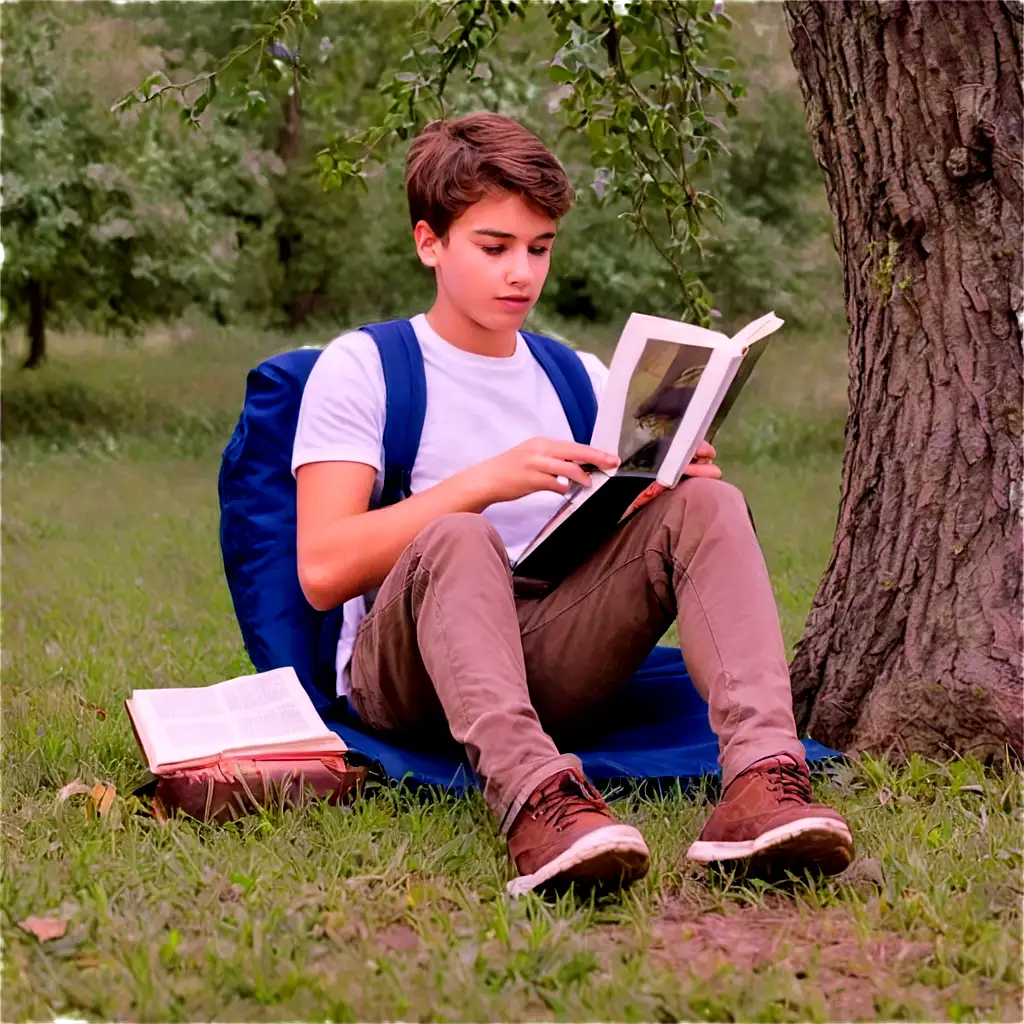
(790, 781)
(565, 801)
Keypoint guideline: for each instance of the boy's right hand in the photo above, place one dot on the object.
(537, 465)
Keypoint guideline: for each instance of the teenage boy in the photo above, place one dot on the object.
(437, 634)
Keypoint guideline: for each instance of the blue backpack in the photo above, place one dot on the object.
(257, 491)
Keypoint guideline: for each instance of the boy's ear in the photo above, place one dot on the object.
(427, 243)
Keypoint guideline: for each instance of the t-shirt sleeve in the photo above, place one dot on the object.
(596, 371)
(341, 418)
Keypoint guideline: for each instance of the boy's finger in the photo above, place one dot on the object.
(584, 455)
(562, 467)
(704, 469)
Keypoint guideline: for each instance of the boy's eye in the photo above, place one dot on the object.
(497, 250)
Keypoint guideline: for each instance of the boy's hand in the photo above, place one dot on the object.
(703, 463)
(536, 465)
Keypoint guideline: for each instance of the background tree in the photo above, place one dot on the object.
(292, 77)
(915, 112)
(111, 226)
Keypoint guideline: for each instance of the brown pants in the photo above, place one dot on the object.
(452, 636)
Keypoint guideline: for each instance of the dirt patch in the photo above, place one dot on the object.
(846, 965)
(397, 938)
(756, 937)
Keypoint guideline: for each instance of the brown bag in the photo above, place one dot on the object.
(235, 787)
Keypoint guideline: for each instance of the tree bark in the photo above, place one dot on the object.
(289, 142)
(36, 326)
(913, 642)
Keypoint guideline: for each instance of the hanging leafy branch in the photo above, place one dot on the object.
(637, 79)
(266, 43)
(637, 86)
(633, 79)
(446, 37)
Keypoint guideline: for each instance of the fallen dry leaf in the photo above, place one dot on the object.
(44, 928)
(884, 795)
(159, 811)
(91, 705)
(76, 788)
(88, 960)
(101, 799)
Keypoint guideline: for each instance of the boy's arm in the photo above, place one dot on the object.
(345, 550)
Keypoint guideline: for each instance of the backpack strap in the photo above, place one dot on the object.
(405, 387)
(570, 380)
(405, 390)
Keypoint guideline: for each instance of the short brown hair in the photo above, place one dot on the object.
(453, 164)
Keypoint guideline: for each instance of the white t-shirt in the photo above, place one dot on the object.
(477, 406)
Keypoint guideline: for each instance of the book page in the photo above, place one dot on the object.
(756, 330)
(651, 381)
(661, 387)
(639, 331)
(267, 709)
(733, 389)
(717, 375)
(271, 708)
(182, 723)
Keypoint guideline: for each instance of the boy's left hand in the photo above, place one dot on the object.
(703, 463)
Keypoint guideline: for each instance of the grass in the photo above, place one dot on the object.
(394, 907)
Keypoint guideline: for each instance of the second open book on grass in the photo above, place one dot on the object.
(670, 386)
(267, 715)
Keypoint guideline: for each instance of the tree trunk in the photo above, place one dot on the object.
(36, 326)
(914, 639)
(289, 142)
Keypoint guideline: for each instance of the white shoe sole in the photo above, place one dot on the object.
(612, 852)
(822, 841)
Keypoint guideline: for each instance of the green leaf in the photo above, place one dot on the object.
(557, 70)
(204, 101)
(255, 99)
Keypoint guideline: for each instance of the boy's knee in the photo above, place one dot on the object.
(704, 497)
(462, 532)
(715, 493)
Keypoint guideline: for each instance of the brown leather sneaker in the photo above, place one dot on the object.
(766, 818)
(566, 833)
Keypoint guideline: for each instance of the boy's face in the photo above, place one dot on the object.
(494, 262)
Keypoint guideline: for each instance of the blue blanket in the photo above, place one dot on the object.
(662, 732)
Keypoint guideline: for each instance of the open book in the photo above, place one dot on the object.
(259, 716)
(670, 386)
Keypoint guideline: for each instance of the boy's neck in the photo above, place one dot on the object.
(462, 332)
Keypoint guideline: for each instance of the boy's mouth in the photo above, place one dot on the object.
(514, 301)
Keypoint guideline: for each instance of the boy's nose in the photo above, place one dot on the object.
(519, 272)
